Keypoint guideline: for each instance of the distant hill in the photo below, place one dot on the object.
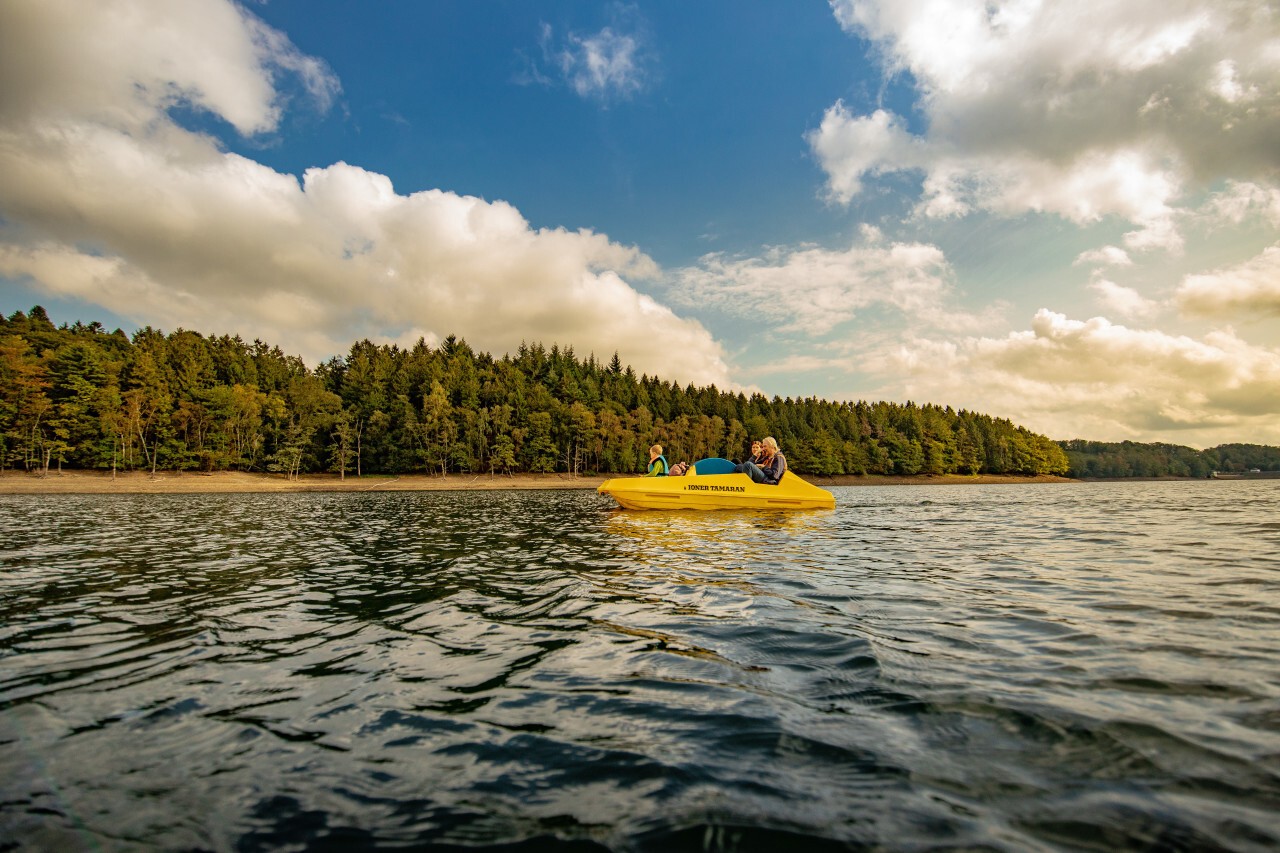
(84, 397)
(1130, 459)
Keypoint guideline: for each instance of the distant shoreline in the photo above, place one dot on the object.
(229, 482)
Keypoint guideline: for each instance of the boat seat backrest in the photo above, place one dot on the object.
(714, 465)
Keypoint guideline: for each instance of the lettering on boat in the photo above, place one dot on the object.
(692, 488)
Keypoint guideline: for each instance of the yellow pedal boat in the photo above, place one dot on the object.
(715, 491)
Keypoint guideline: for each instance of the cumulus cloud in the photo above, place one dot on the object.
(1122, 300)
(1079, 109)
(120, 62)
(850, 147)
(1250, 291)
(812, 290)
(1096, 379)
(106, 199)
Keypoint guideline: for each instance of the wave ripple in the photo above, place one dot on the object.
(998, 668)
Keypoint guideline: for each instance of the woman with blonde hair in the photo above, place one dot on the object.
(771, 467)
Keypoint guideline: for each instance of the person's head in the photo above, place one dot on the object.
(755, 448)
(770, 445)
(655, 451)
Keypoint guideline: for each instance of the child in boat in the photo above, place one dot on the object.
(658, 466)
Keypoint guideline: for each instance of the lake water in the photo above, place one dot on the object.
(1018, 668)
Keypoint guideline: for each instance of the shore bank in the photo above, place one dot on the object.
(190, 482)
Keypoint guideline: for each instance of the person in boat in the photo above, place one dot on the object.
(658, 466)
(756, 457)
(768, 467)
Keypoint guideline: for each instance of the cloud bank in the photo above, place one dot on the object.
(1249, 291)
(1159, 116)
(1094, 378)
(810, 291)
(1078, 109)
(108, 199)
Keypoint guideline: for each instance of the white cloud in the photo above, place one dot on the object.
(121, 62)
(1106, 256)
(1243, 200)
(850, 147)
(812, 290)
(1227, 84)
(1080, 109)
(1122, 300)
(1095, 379)
(107, 200)
(1250, 291)
(603, 64)
(613, 63)
(1155, 234)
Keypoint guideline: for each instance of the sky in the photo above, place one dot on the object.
(1062, 213)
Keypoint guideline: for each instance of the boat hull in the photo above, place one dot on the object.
(715, 491)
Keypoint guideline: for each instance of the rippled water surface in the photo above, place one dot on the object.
(1021, 668)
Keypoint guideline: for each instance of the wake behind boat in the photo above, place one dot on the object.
(697, 490)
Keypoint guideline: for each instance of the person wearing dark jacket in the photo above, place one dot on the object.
(768, 467)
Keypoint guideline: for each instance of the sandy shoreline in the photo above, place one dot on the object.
(189, 482)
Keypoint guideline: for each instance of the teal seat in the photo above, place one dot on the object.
(715, 465)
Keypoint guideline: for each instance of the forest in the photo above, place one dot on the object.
(82, 397)
(1098, 459)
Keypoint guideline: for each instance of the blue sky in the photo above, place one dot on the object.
(1067, 214)
(695, 146)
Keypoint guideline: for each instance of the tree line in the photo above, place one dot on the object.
(1130, 459)
(79, 396)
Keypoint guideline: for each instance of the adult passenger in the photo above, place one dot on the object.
(771, 466)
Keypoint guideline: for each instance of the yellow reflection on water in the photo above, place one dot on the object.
(691, 530)
(683, 555)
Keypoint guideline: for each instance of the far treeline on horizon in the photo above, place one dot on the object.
(81, 397)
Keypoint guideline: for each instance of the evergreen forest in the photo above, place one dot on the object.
(1098, 459)
(82, 397)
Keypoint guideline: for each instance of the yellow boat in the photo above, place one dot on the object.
(715, 491)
